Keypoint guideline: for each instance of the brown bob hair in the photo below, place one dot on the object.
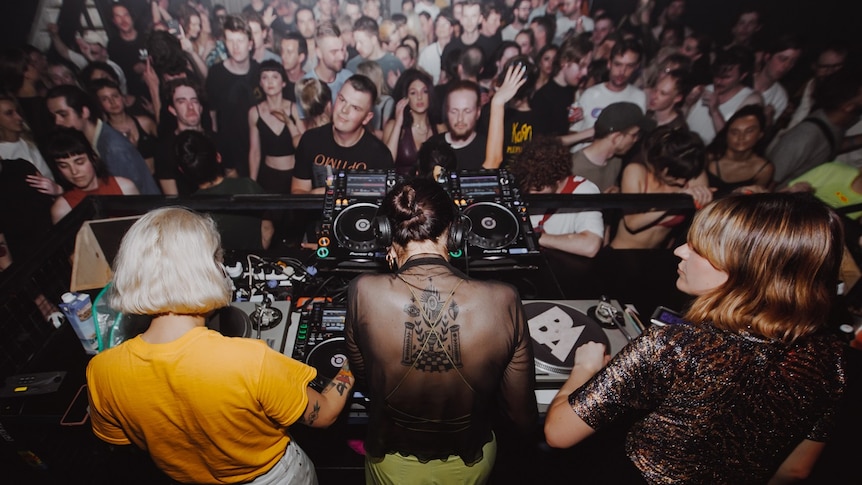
(781, 252)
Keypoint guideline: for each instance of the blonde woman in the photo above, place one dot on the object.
(207, 408)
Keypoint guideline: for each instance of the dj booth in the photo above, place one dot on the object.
(294, 300)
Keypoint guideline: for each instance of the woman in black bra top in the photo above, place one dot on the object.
(273, 129)
(735, 160)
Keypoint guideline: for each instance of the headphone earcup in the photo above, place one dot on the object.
(382, 231)
(458, 231)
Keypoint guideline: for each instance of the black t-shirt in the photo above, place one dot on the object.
(26, 226)
(550, 105)
(231, 96)
(127, 54)
(318, 155)
(518, 127)
(289, 91)
(281, 27)
(470, 157)
(167, 165)
(489, 47)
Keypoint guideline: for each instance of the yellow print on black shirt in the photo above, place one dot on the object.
(322, 160)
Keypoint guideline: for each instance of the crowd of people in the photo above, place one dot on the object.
(183, 98)
(292, 91)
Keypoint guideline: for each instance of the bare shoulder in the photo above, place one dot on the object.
(59, 209)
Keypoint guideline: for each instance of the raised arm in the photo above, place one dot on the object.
(515, 78)
(392, 130)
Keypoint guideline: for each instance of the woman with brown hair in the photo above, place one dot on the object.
(672, 163)
(746, 390)
(442, 354)
(411, 125)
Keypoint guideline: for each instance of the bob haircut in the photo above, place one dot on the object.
(168, 262)
(781, 253)
(68, 142)
(418, 210)
(270, 65)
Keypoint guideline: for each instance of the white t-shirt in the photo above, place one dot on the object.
(509, 32)
(429, 60)
(25, 151)
(564, 24)
(775, 96)
(699, 120)
(568, 221)
(595, 99)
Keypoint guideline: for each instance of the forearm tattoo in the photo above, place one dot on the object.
(312, 416)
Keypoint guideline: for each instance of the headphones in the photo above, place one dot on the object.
(458, 230)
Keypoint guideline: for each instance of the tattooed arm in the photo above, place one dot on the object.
(325, 406)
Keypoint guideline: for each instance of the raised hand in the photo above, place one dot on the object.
(512, 82)
(44, 185)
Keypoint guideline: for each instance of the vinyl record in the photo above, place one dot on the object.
(492, 225)
(557, 331)
(265, 317)
(353, 227)
(328, 356)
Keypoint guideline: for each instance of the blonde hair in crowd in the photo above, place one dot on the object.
(170, 262)
(781, 252)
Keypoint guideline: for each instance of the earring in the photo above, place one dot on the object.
(391, 260)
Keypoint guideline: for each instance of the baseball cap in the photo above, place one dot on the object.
(618, 117)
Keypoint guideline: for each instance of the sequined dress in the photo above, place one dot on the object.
(720, 407)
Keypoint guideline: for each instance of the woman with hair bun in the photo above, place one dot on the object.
(439, 353)
(207, 408)
(747, 390)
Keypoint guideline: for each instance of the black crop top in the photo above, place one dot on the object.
(272, 145)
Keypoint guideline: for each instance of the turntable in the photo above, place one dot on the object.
(559, 327)
(254, 320)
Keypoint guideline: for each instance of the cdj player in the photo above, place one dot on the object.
(346, 237)
(500, 230)
(500, 235)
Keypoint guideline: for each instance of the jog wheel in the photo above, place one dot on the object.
(328, 356)
(353, 227)
(493, 226)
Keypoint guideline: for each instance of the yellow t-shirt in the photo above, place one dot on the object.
(208, 408)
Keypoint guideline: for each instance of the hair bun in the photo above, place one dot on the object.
(408, 214)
